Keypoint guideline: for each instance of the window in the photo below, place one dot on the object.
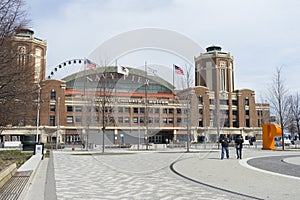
(78, 108)
(165, 110)
(78, 119)
(164, 120)
(126, 120)
(52, 120)
(247, 112)
(200, 123)
(142, 120)
(156, 120)
(171, 111)
(120, 119)
(69, 119)
(246, 102)
(135, 120)
(211, 101)
(96, 119)
(247, 122)
(170, 120)
(179, 120)
(127, 110)
(52, 108)
(200, 100)
(234, 102)
(142, 110)
(178, 110)
(200, 111)
(135, 110)
(223, 102)
(156, 110)
(53, 94)
(120, 110)
(88, 109)
(234, 112)
(69, 108)
(96, 109)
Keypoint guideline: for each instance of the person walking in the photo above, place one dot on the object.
(239, 146)
(225, 146)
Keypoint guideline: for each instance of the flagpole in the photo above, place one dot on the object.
(146, 105)
(173, 78)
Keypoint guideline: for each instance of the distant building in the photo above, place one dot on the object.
(136, 108)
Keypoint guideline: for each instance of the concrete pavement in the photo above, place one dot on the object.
(148, 175)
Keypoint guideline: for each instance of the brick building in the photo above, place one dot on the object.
(93, 106)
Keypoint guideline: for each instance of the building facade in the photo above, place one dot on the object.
(103, 106)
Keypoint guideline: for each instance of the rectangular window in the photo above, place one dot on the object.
(156, 120)
(165, 110)
(171, 110)
(200, 111)
(142, 110)
(135, 110)
(164, 120)
(127, 110)
(52, 108)
(247, 122)
(88, 109)
(120, 110)
(179, 120)
(178, 110)
(246, 102)
(78, 108)
(142, 120)
(69, 119)
(53, 95)
(170, 120)
(211, 101)
(156, 110)
(151, 110)
(126, 120)
(200, 100)
(223, 102)
(234, 102)
(96, 109)
(135, 120)
(247, 112)
(96, 119)
(52, 120)
(200, 123)
(69, 108)
(120, 119)
(78, 119)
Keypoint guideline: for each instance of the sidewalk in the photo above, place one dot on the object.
(238, 177)
(206, 168)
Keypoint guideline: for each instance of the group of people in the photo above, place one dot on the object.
(225, 141)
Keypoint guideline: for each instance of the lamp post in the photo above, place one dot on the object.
(57, 127)
(38, 114)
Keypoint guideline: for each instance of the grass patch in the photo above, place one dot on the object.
(8, 157)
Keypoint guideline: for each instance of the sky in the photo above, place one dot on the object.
(261, 35)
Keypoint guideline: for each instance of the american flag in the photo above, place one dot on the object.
(178, 70)
(90, 65)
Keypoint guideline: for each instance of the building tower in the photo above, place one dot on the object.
(214, 70)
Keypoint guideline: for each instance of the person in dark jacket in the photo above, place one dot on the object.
(239, 146)
(225, 146)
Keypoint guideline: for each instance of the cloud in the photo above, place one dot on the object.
(261, 35)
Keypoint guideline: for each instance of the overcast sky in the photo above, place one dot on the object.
(261, 35)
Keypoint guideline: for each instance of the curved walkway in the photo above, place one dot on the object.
(247, 177)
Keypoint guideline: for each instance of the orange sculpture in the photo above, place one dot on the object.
(269, 131)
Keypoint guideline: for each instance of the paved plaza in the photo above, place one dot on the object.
(168, 174)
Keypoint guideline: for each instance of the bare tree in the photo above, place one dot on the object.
(279, 101)
(294, 122)
(16, 94)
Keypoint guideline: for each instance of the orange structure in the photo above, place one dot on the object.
(269, 132)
